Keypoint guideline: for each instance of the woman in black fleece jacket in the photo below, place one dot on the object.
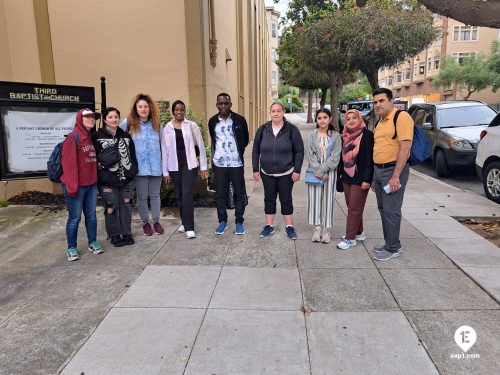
(114, 177)
(277, 156)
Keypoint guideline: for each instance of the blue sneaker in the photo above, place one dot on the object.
(290, 232)
(221, 228)
(240, 228)
(267, 231)
(72, 254)
(95, 247)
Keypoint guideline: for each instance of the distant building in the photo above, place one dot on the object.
(176, 49)
(412, 80)
(273, 17)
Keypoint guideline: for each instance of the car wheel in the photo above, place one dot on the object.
(442, 168)
(491, 181)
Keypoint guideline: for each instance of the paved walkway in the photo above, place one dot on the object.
(245, 305)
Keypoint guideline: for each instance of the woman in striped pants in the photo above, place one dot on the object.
(323, 149)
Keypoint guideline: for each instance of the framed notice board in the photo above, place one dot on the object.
(33, 119)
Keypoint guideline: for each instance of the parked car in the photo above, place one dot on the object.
(488, 159)
(363, 106)
(453, 128)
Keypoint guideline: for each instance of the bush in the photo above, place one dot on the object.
(287, 90)
(294, 106)
(4, 202)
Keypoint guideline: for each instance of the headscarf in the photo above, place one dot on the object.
(351, 139)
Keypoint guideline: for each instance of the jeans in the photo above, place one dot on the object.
(117, 222)
(148, 186)
(86, 201)
(184, 183)
(223, 176)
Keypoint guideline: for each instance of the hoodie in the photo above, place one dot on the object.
(79, 163)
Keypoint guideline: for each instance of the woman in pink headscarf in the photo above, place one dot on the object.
(357, 174)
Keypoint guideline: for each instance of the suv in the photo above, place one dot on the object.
(363, 106)
(488, 159)
(453, 128)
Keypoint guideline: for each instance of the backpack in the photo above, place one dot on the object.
(54, 164)
(420, 148)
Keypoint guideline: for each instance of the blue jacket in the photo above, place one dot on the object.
(147, 149)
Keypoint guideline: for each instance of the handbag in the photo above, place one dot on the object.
(311, 179)
(109, 156)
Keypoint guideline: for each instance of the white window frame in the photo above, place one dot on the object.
(457, 56)
(465, 33)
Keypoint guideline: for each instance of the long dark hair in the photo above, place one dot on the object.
(328, 113)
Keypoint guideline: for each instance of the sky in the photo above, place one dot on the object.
(281, 7)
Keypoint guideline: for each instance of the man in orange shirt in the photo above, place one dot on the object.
(390, 155)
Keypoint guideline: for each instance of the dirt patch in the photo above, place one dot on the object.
(488, 228)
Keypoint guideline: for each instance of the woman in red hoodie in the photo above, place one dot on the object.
(79, 182)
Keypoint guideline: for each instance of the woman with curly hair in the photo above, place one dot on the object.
(143, 125)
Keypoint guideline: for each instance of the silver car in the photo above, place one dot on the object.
(453, 128)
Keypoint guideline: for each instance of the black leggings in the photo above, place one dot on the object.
(184, 182)
(274, 186)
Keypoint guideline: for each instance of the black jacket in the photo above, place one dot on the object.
(364, 162)
(277, 154)
(240, 131)
(123, 171)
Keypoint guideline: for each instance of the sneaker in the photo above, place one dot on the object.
(386, 255)
(128, 239)
(316, 237)
(267, 231)
(240, 229)
(117, 241)
(72, 254)
(221, 228)
(359, 237)
(148, 231)
(346, 244)
(378, 248)
(190, 234)
(181, 229)
(96, 247)
(325, 236)
(158, 228)
(290, 232)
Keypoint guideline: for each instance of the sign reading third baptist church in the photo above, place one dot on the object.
(33, 119)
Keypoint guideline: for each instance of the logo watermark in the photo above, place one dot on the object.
(465, 337)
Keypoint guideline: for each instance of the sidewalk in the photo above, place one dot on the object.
(245, 305)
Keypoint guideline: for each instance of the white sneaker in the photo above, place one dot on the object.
(346, 244)
(359, 237)
(190, 234)
(181, 229)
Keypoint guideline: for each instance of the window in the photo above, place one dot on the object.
(399, 76)
(461, 33)
(429, 64)
(421, 69)
(274, 54)
(273, 30)
(437, 60)
(460, 56)
(407, 74)
(273, 78)
(389, 81)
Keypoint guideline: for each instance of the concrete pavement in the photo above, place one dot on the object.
(245, 305)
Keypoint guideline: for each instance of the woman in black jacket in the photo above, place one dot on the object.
(277, 155)
(357, 174)
(116, 168)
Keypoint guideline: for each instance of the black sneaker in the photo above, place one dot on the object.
(117, 241)
(128, 239)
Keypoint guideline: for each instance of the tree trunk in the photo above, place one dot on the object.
(469, 93)
(324, 92)
(372, 77)
(335, 90)
(309, 106)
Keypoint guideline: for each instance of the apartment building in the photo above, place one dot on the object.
(273, 17)
(412, 80)
(176, 49)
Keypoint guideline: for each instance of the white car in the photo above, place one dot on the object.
(488, 159)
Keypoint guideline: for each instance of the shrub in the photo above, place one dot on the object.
(4, 202)
(294, 106)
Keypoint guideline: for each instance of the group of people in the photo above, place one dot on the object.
(138, 153)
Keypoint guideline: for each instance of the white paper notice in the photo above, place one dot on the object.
(31, 137)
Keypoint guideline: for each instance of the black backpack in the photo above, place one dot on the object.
(54, 164)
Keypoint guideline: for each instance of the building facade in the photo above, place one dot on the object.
(176, 49)
(413, 80)
(273, 17)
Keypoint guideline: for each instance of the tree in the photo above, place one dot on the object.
(494, 64)
(470, 12)
(473, 74)
(392, 32)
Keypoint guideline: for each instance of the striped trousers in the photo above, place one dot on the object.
(321, 202)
